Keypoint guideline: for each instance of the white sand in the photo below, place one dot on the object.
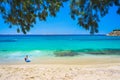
(55, 70)
(60, 72)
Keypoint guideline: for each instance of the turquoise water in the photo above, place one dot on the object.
(17, 46)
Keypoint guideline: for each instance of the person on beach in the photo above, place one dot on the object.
(27, 59)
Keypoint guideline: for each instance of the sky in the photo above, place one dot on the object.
(63, 24)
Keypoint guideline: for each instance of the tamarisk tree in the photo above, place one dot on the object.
(23, 13)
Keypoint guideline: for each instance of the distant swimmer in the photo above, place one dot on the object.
(27, 59)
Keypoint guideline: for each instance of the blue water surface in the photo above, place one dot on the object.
(15, 47)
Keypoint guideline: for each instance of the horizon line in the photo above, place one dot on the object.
(51, 34)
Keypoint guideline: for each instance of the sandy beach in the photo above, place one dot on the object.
(92, 69)
(59, 40)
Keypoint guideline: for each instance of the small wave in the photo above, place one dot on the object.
(40, 53)
(22, 54)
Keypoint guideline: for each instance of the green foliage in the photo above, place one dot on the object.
(23, 13)
(88, 12)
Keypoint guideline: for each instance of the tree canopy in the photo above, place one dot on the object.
(23, 13)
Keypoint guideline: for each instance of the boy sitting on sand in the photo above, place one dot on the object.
(27, 59)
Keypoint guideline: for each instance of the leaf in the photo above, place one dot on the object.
(10, 26)
(18, 30)
(118, 11)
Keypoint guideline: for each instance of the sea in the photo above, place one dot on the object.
(16, 47)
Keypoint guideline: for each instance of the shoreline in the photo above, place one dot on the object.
(76, 60)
